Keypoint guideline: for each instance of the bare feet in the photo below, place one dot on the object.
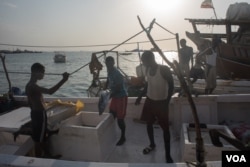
(121, 141)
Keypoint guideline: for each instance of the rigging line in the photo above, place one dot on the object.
(128, 59)
(109, 50)
(164, 28)
(14, 72)
(79, 46)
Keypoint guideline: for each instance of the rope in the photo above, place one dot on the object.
(117, 45)
(128, 59)
(76, 46)
(109, 51)
(14, 72)
(164, 29)
(79, 46)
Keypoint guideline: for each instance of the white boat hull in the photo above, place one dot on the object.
(212, 110)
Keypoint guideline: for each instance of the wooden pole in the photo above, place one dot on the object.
(10, 94)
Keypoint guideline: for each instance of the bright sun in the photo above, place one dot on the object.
(162, 5)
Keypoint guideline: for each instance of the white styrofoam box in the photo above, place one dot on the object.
(58, 113)
(86, 136)
(21, 146)
(212, 153)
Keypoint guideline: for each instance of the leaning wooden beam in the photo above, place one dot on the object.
(10, 94)
(200, 152)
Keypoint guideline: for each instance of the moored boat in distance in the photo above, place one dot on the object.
(59, 58)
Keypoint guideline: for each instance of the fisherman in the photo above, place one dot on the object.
(210, 70)
(158, 91)
(185, 57)
(118, 95)
(38, 110)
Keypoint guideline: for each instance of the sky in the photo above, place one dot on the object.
(82, 23)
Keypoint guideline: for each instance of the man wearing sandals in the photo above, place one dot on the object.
(158, 90)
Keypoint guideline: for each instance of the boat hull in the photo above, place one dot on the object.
(233, 61)
(59, 58)
(212, 110)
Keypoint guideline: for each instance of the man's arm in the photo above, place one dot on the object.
(57, 86)
(143, 93)
(192, 56)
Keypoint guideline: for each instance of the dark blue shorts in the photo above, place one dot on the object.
(39, 125)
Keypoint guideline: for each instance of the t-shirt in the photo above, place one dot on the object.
(115, 77)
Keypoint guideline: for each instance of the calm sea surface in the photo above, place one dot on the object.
(78, 82)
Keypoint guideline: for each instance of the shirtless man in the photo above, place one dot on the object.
(158, 90)
(185, 56)
(38, 111)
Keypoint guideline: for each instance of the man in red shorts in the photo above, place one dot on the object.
(158, 90)
(119, 96)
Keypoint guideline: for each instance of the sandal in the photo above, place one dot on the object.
(148, 149)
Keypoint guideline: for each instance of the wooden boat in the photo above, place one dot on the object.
(59, 58)
(233, 59)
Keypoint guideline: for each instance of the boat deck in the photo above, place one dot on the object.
(128, 155)
(137, 140)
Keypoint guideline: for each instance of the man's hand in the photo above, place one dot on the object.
(65, 76)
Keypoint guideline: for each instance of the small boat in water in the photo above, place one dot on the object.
(59, 58)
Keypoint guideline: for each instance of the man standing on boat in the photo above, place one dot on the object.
(185, 56)
(210, 70)
(158, 90)
(38, 110)
(118, 95)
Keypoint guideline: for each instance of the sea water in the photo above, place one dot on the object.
(18, 67)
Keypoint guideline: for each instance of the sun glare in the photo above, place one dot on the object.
(162, 5)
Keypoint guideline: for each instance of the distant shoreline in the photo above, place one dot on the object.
(18, 51)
